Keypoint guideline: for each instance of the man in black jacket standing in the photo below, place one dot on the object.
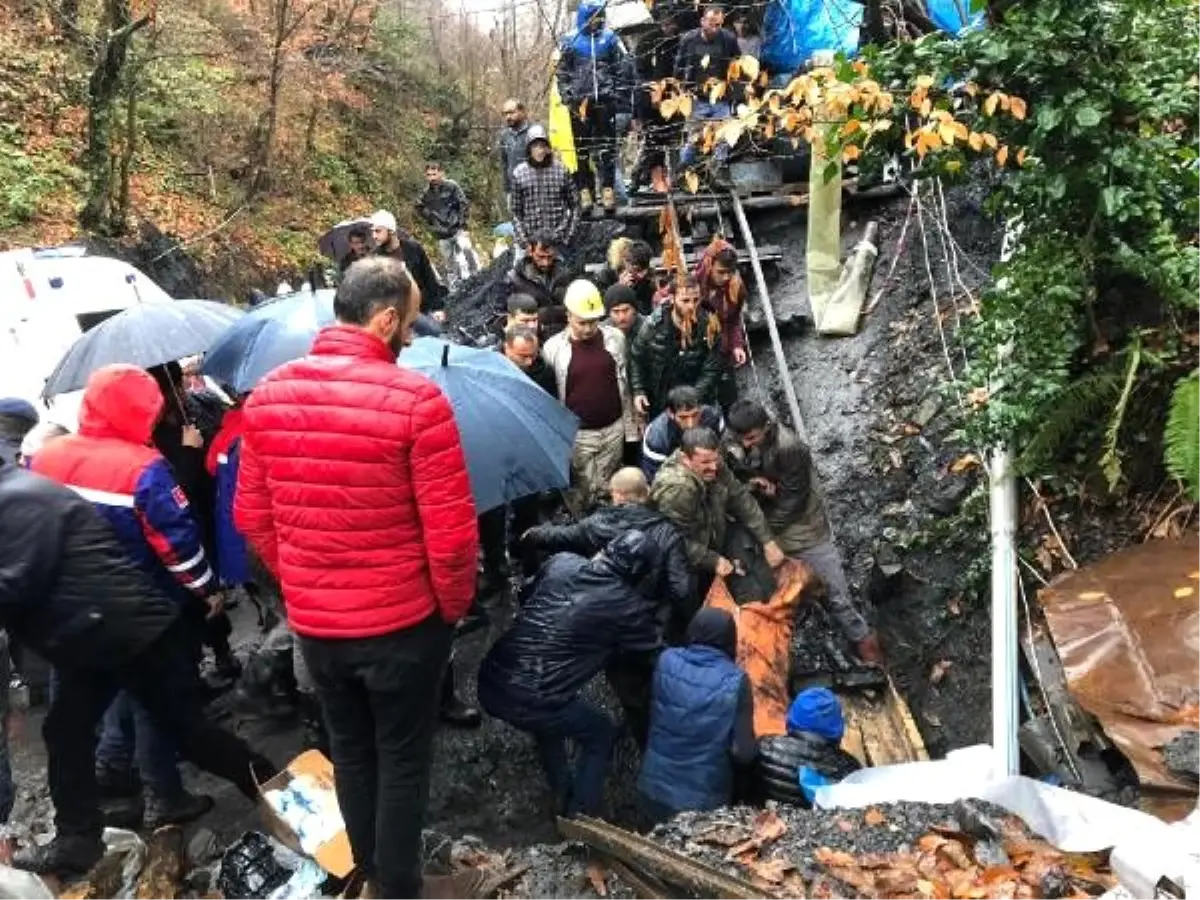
(391, 241)
(69, 591)
(444, 208)
(581, 613)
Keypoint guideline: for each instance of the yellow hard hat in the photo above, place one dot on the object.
(583, 300)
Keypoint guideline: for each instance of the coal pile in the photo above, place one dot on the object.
(476, 302)
(1182, 755)
(965, 850)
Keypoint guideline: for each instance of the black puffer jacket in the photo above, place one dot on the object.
(547, 288)
(67, 587)
(671, 578)
(445, 208)
(660, 362)
(781, 756)
(581, 613)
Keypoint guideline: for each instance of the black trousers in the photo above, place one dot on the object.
(493, 531)
(630, 675)
(162, 678)
(595, 145)
(379, 696)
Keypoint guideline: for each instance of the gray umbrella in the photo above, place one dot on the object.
(144, 335)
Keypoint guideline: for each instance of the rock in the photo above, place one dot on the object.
(926, 411)
(945, 497)
(1181, 753)
(203, 848)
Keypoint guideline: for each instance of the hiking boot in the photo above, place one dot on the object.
(177, 811)
(585, 200)
(476, 619)
(315, 736)
(124, 812)
(455, 711)
(609, 199)
(465, 885)
(65, 855)
(117, 784)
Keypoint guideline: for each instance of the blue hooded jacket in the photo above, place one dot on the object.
(594, 64)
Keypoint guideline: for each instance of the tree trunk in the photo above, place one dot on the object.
(115, 32)
(120, 214)
(68, 19)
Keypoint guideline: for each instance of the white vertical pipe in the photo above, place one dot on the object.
(1003, 516)
(1005, 709)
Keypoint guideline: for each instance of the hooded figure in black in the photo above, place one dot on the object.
(581, 613)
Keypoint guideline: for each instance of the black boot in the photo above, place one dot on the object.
(475, 619)
(315, 736)
(71, 854)
(176, 811)
(114, 784)
(455, 711)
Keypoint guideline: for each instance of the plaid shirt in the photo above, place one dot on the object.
(544, 198)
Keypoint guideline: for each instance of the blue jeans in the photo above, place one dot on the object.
(126, 733)
(594, 734)
(703, 111)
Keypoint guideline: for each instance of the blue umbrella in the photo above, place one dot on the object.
(145, 335)
(275, 332)
(517, 439)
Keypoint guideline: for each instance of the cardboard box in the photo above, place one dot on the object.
(311, 774)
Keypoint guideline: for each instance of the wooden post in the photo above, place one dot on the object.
(789, 389)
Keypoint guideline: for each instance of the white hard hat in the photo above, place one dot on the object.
(583, 300)
(383, 219)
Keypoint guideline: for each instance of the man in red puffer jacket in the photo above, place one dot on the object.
(353, 490)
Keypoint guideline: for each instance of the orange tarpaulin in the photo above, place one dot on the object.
(765, 642)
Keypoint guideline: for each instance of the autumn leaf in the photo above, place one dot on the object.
(768, 826)
(881, 125)
(926, 106)
(972, 89)
(1002, 155)
(978, 397)
(1021, 157)
(939, 671)
(717, 92)
(975, 141)
(598, 876)
(705, 61)
(954, 606)
(850, 127)
(990, 104)
(692, 181)
(925, 81)
(874, 817)
(656, 92)
(769, 129)
(963, 463)
(850, 153)
(1016, 106)
(669, 107)
(829, 857)
(845, 825)
(685, 105)
(749, 66)
(583, 108)
(772, 870)
(763, 79)
(731, 132)
(946, 133)
(990, 140)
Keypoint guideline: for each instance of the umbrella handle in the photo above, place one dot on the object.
(445, 356)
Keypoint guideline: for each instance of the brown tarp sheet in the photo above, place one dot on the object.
(1128, 632)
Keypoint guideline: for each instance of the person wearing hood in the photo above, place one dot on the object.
(793, 765)
(17, 419)
(701, 720)
(580, 614)
(723, 293)
(593, 83)
(510, 145)
(544, 199)
(112, 462)
(394, 243)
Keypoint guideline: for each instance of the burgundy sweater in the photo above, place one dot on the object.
(592, 390)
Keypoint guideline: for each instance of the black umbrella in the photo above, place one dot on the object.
(144, 335)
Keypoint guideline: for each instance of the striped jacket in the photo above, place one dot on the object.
(663, 436)
(111, 463)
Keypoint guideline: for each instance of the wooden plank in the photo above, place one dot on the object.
(883, 728)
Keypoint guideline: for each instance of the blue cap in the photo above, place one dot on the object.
(817, 710)
(19, 409)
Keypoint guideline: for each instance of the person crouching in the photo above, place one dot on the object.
(701, 721)
(793, 765)
(580, 614)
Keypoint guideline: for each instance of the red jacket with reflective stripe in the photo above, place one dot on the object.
(353, 490)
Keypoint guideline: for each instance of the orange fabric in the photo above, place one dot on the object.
(765, 642)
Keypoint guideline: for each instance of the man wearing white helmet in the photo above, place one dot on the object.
(391, 241)
(589, 364)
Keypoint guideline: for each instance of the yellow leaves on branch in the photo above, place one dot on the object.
(1014, 106)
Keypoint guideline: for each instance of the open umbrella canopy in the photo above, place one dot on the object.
(335, 243)
(273, 333)
(145, 335)
(517, 439)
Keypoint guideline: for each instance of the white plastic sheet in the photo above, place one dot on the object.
(1145, 848)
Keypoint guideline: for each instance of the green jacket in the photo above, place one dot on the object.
(796, 513)
(701, 509)
(660, 363)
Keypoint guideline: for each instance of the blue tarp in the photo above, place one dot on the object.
(954, 16)
(793, 30)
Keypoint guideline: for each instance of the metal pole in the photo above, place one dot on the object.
(789, 389)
